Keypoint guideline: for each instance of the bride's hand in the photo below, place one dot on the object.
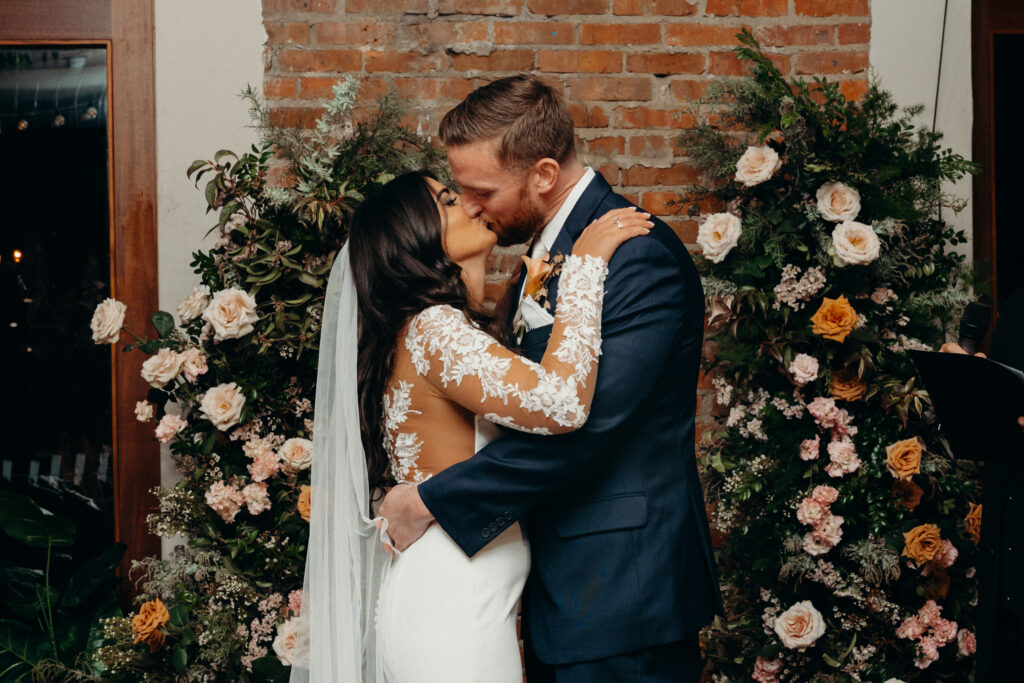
(407, 516)
(603, 236)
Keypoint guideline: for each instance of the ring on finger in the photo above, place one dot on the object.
(618, 223)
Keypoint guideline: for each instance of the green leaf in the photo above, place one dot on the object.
(830, 661)
(179, 658)
(195, 166)
(38, 528)
(92, 574)
(178, 616)
(164, 323)
(223, 153)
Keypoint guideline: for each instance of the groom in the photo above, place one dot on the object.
(623, 574)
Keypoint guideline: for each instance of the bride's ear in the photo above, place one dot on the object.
(544, 175)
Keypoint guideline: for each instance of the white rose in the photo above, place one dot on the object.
(838, 202)
(893, 680)
(144, 411)
(718, 235)
(193, 306)
(757, 165)
(284, 643)
(107, 321)
(296, 454)
(222, 405)
(855, 243)
(160, 369)
(804, 369)
(800, 626)
(231, 313)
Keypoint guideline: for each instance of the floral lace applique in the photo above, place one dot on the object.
(509, 422)
(443, 333)
(402, 447)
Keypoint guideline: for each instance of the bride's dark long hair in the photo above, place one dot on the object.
(400, 268)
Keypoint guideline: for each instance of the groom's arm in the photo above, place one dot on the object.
(646, 308)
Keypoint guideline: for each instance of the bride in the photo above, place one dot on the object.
(400, 405)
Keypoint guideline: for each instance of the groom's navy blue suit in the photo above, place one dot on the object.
(622, 557)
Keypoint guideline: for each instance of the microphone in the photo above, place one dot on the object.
(973, 326)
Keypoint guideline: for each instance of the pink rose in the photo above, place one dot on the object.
(169, 426)
(826, 495)
(804, 369)
(810, 448)
(225, 500)
(765, 670)
(966, 643)
(256, 498)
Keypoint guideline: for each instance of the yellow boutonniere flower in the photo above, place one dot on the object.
(538, 270)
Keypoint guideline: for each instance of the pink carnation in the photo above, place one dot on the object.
(295, 602)
(948, 555)
(810, 448)
(194, 364)
(765, 670)
(826, 495)
(225, 500)
(930, 613)
(168, 427)
(966, 643)
(811, 512)
(815, 546)
(911, 629)
(843, 456)
(264, 466)
(830, 531)
(927, 653)
(825, 411)
(256, 498)
(804, 369)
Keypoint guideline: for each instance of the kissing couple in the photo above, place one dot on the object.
(585, 506)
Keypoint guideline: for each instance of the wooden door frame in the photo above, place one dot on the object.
(988, 19)
(125, 27)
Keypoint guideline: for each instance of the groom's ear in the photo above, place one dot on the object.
(544, 175)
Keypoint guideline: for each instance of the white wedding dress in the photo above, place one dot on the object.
(442, 617)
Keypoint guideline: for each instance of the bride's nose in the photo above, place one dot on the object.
(471, 206)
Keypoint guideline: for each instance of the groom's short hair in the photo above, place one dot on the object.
(528, 119)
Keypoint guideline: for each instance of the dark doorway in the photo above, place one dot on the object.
(1008, 175)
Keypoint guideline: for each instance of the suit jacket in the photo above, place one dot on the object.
(615, 515)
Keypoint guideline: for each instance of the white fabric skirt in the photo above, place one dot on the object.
(446, 618)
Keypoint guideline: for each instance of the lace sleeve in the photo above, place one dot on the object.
(474, 370)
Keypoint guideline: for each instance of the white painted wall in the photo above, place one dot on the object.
(906, 42)
(206, 53)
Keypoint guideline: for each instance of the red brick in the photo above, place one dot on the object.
(453, 88)
(319, 87)
(320, 60)
(588, 117)
(686, 229)
(417, 89)
(358, 34)
(291, 33)
(647, 146)
(726, 64)
(784, 36)
(319, 6)
(645, 176)
(854, 33)
(830, 8)
(402, 61)
(534, 33)
(620, 34)
(501, 8)
(610, 89)
(699, 34)
(747, 8)
(631, 197)
(386, 6)
(645, 117)
(293, 117)
(606, 145)
(372, 88)
(662, 63)
(499, 60)
(853, 90)
(831, 62)
(610, 172)
(450, 34)
(580, 61)
(278, 88)
(670, 8)
(571, 7)
(660, 203)
(687, 90)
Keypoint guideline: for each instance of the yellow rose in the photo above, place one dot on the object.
(903, 458)
(922, 543)
(537, 271)
(835, 319)
(847, 386)
(146, 624)
(303, 505)
(907, 493)
(972, 522)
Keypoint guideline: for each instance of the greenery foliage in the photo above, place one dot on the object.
(784, 432)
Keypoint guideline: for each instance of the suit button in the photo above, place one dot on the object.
(486, 532)
(492, 527)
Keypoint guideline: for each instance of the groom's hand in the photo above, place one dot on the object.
(407, 516)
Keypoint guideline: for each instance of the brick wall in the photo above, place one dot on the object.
(626, 67)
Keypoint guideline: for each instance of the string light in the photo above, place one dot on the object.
(90, 114)
(58, 121)
(17, 255)
(23, 124)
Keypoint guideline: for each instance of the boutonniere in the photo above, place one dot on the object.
(539, 272)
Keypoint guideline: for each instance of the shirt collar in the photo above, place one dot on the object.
(550, 232)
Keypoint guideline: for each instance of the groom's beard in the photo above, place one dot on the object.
(521, 226)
